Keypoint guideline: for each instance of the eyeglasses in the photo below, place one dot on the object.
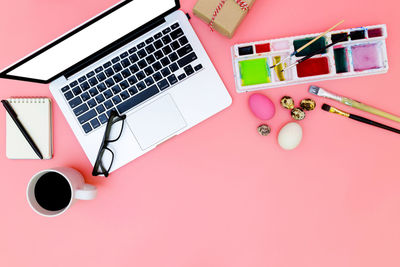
(105, 157)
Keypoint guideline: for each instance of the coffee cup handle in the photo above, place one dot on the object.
(88, 192)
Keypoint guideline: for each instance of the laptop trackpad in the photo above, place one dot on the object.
(156, 122)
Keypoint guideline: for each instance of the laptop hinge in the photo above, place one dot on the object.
(112, 47)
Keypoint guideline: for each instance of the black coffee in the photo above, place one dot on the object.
(52, 191)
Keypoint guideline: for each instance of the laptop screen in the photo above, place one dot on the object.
(56, 57)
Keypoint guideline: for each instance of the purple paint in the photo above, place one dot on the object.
(366, 57)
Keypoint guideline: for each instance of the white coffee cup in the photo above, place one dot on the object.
(79, 190)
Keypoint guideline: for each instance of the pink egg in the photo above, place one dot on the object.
(261, 106)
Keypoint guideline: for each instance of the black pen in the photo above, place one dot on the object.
(14, 116)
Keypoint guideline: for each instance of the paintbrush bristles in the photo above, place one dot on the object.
(326, 107)
(313, 89)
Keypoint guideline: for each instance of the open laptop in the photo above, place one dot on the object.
(140, 58)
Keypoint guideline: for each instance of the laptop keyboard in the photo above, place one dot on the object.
(134, 76)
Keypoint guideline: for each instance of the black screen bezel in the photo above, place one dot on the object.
(4, 74)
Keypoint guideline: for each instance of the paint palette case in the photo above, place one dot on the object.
(356, 52)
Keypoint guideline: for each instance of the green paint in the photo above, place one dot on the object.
(317, 45)
(254, 71)
(341, 60)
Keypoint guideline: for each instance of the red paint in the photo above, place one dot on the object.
(263, 48)
(377, 32)
(312, 67)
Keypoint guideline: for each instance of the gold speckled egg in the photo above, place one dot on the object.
(287, 102)
(307, 104)
(298, 114)
(264, 129)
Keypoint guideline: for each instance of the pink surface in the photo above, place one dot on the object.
(219, 194)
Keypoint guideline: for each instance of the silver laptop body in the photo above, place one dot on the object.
(158, 74)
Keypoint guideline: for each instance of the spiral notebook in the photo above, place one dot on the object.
(35, 116)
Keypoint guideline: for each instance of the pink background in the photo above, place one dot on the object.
(220, 194)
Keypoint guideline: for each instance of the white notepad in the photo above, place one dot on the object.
(35, 115)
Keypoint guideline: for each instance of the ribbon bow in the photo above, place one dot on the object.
(243, 5)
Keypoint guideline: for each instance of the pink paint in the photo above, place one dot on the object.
(261, 106)
(366, 57)
(280, 45)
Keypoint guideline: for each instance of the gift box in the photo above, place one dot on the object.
(223, 16)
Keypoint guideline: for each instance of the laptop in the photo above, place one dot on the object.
(140, 58)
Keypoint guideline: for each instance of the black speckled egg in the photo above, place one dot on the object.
(287, 102)
(264, 129)
(298, 114)
(307, 104)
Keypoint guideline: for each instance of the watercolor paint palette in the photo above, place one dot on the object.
(359, 52)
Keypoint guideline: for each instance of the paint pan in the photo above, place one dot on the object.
(339, 36)
(366, 56)
(246, 50)
(377, 32)
(280, 45)
(357, 35)
(317, 45)
(263, 48)
(254, 71)
(313, 67)
(341, 60)
(280, 75)
(363, 53)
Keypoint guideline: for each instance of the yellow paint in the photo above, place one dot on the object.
(278, 68)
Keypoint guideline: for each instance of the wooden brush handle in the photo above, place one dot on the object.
(319, 36)
(361, 106)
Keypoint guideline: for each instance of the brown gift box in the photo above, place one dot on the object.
(228, 18)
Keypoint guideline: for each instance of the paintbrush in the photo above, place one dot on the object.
(307, 44)
(358, 118)
(352, 103)
(315, 53)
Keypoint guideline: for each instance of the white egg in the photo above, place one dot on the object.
(290, 136)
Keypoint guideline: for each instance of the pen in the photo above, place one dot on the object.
(14, 116)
